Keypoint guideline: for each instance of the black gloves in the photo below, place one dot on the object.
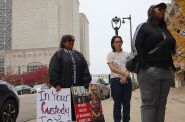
(86, 85)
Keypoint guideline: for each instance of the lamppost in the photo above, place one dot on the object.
(123, 21)
(116, 24)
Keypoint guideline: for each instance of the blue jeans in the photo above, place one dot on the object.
(121, 95)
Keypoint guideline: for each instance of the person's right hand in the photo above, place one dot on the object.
(58, 88)
(123, 80)
(127, 75)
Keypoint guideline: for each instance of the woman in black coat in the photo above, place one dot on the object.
(68, 67)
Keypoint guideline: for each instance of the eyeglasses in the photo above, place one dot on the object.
(70, 40)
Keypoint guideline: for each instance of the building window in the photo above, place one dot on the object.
(33, 66)
(19, 70)
(1, 65)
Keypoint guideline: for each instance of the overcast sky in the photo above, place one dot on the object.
(99, 14)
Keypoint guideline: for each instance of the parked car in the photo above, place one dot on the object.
(103, 87)
(38, 87)
(23, 89)
(9, 102)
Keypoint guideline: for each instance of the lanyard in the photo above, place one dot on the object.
(74, 67)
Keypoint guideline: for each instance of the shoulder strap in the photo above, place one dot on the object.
(158, 45)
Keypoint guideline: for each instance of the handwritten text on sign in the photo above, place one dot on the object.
(54, 106)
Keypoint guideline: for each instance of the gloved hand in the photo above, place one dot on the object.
(58, 88)
(86, 85)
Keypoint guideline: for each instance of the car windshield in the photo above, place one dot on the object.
(18, 86)
(38, 86)
(94, 80)
(21, 86)
(98, 80)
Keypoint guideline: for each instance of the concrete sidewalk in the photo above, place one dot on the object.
(175, 111)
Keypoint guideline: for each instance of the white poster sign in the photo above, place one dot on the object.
(54, 106)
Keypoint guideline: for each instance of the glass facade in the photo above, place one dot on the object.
(5, 24)
(1, 65)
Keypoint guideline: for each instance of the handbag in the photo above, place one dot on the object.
(132, 64)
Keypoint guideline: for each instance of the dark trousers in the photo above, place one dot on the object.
(121, 95)
(73, 109)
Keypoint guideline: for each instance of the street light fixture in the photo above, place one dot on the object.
(123, 21)
(116, 24)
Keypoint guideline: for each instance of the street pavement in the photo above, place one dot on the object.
(175, 109)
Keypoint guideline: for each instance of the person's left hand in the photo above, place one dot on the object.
(127, 75)
(86, 85)
(123, 80)
(58, 88)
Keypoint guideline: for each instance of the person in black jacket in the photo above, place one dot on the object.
(68, 67)
(156, 69)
